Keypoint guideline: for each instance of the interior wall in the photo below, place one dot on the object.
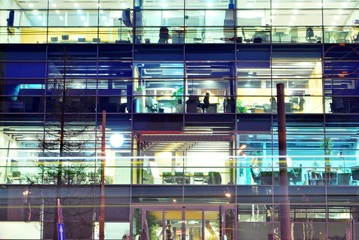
(11, 230)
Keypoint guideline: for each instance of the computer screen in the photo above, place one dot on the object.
(355, 173)
(54, 39)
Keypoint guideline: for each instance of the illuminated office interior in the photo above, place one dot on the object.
(176, 165)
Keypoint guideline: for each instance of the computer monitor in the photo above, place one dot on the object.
(54, 39)
(81, 39)
(355, 173)
(65, 37)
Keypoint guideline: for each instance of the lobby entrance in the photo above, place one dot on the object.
(183, 223)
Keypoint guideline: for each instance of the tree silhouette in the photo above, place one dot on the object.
(68, 133)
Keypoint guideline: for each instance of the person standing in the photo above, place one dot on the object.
(205, 103)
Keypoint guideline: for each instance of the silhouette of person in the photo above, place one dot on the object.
(205, 103)
(169, 232)
(273, 102)
(164, 35)
(301, 104)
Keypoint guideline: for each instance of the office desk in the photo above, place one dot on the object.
(11, 179)
(322, 178)
(336, 36)
(269, 178)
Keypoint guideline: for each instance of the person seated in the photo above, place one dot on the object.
(164, 35)
(192, 104)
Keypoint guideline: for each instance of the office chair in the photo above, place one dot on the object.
(356, 38)
(295, 175)
(338, 106)
(256, 177)
(309, 34)
(180, 178)
(164, 35)
(214, 178)
(198, 177)
(167, 177)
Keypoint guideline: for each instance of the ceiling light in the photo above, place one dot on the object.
(116, 140)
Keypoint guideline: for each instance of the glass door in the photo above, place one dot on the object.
(181, 223)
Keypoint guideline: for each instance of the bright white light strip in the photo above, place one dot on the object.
(176, 157)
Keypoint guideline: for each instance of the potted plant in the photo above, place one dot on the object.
(240, 107)
(327, 145)
(177, 97)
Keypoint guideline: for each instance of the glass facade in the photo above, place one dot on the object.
(177, 102)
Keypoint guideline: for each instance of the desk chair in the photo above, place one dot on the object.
(269, 178)
(256, 177)
(342, 37)
(356, 38)
(354, 107)
(355, 174)
(167, 177)
(288, 107)
(338, 106)
(191, 104)
(180, 178)
(214, 178)
(329, 178)
(198, 177)
(343, 178)
(315, 178)
(295, 175)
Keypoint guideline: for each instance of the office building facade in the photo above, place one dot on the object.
(120, 86)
